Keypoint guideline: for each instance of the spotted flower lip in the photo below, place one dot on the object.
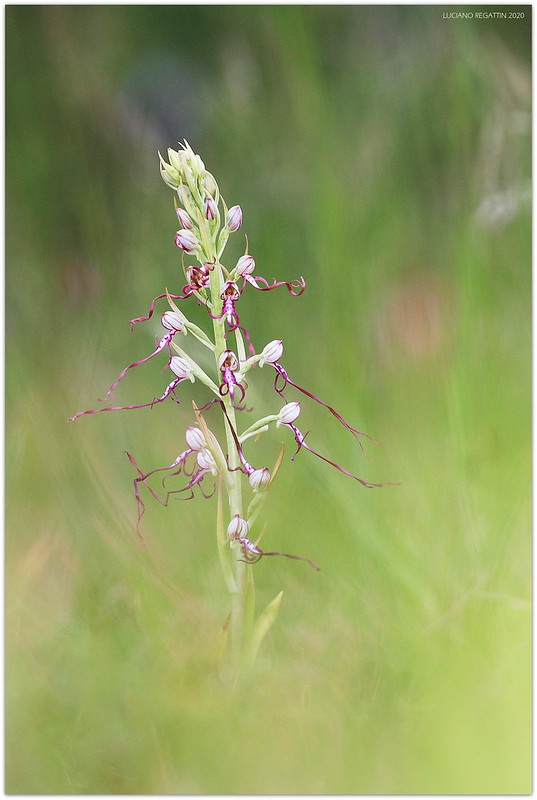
(229, 295)
(230, 290)
(228, 365)
(228, 360)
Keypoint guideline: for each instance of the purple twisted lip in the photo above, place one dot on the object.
(282, 374)
(252, 554)
(164, 342)
(198, 279)
(152, 307)
(169, 391)
(196, 479)
(295, 287)
(230, 295)
(246, 466)
(228, 365)
(228, 385)
(300, 440)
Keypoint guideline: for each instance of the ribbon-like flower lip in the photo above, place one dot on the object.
(198, 277)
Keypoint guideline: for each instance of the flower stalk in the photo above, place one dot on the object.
(211, 462)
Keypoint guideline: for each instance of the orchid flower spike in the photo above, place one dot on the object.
(207, 464)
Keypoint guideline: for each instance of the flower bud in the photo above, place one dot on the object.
(187, 241)
(288, 414)
(183, 218)
(172, 321)
(210, 208)
(185, 196)
(228, 360)
(195, 438)
(176, 159)
(234, 218)
(181, 368)
(237, 528)
(209, 184)
(259, 479)
(194, 161)
(197, 165)
(206, 461)
(271, 352)
(245, 265)
(169, 176)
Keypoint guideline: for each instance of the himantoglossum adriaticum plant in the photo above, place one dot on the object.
(207, 464)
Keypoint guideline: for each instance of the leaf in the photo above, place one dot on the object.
(277, 465)
(260, 498)
(264, 623)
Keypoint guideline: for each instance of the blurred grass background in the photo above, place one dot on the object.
(384, 153)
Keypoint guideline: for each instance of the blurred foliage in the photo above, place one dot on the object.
(384, 153)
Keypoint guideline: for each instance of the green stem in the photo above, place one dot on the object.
(240, 617)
